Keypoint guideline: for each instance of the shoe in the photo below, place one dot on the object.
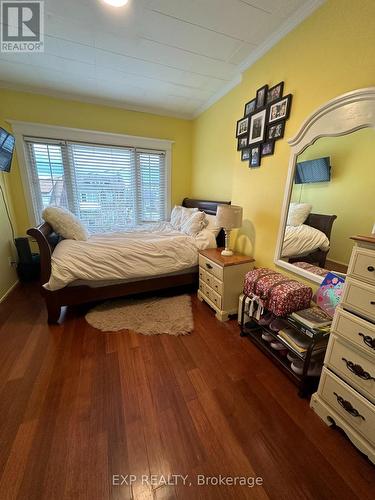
(313, 371)
(278, 346)
(292, 357)
(266, 319)
(277, 324)
(267, 337)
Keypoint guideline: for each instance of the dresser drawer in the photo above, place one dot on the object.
(359, 297)
(213, 282)
(357, 330)
(362, 265)
(211, 267)
(211, 295)
(355, 367)
(351, 406)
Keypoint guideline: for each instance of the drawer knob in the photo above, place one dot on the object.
(208, 265)
(370, 342)
(372, 302)
(371, 269)
(357, 370)
(348, 407)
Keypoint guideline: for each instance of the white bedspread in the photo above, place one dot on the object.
(143, 252)
(303, 239)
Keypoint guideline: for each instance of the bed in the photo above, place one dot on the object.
(320, 244)
(79, 293)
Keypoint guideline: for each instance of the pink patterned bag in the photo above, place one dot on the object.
(276, 292)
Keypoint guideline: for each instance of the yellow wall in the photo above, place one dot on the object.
(43, 109)
(330, 53)
(350, 193)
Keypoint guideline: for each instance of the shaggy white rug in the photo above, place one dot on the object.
(154, 316)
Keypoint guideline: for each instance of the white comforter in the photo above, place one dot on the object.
(303, 239)
(143, 252)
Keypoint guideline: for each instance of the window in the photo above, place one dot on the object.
(109, 188)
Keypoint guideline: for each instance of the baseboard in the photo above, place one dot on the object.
(9, 291)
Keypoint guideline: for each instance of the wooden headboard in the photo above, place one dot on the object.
(322, 222)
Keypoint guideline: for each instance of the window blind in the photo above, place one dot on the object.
(109, 188)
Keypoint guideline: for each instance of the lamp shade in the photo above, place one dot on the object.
(229, 216)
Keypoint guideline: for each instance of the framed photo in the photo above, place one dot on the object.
(242, 143)
(255, 156)
(280, 109)
(245, 155)
(267, 148)
(257, 127)
(275, 93)
(250, 107)
(242, 126)
(261, 97)
(276, 131)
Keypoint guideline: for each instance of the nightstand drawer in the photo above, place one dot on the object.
(359, 297)
(357, 330)
(211, 295)
(213, 282)
(351, 406)
(362, 265)
(353, 366)
(211, 267)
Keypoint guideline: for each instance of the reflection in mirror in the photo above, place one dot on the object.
(332, 199)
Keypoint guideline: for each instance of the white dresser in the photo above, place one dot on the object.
(346, 393)
(221, 280)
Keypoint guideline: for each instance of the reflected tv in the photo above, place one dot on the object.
(310, 171)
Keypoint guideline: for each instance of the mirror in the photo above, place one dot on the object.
(330, 191)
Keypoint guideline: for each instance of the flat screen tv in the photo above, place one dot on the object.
(310, 171)
(6, 150)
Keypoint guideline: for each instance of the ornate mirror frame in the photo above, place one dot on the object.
(340, 116)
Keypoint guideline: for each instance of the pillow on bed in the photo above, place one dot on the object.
(212, 225)
(180, 214)
(65, 223)
(298, 213)
(194, 224)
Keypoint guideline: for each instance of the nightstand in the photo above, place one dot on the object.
(221, 280)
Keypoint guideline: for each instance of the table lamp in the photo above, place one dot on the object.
(228, 217)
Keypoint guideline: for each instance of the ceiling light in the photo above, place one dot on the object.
(116, 3)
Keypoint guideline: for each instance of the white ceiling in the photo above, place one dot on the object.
(167, 56)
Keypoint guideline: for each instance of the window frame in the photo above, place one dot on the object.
(56, 133)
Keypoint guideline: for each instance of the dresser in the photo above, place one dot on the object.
(221, 280)
(346, 393)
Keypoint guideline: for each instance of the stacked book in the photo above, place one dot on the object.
(299, 342)
(307, 323)
(311, 321)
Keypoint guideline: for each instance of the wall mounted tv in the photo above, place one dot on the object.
(310, 171)
(6, 150)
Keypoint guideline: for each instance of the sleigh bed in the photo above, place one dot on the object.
(79, 294)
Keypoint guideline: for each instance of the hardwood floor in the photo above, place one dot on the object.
(78, 407)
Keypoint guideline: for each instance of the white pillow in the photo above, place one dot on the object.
(194, 224)
(176, 216)
(180, 214)
(298, 213)
(212, 225)
(205, 239)
(65, 223)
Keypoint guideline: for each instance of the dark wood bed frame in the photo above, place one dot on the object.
(74, 295)
(324, 223)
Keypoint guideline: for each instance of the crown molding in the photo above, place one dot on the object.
(67, 96)
(294, 20)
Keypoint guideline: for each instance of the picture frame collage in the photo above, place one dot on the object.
(263, 123)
